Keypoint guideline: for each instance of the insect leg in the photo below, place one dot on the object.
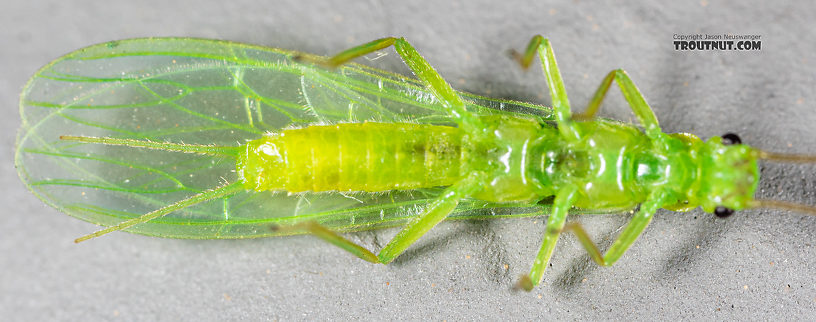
(560, 102)
(440, 89)
(434, 214)
(633, 96)
(351, 53)
(626, 238)
(555, 224)
(333, 238)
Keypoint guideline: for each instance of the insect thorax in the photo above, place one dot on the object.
(613, 166)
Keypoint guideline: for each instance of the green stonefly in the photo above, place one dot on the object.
(193, 138)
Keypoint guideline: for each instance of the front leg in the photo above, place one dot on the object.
(561, 107)
(555, 225)
(635, 227)
(636, 101)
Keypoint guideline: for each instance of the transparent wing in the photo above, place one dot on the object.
(210, 92)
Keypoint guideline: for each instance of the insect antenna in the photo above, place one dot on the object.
(222, 191)
(229, 151)
(784, 205)
(783, 157)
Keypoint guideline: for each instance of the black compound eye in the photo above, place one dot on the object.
(723, 212)
(730, 139)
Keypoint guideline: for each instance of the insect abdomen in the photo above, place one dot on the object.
(354, 157)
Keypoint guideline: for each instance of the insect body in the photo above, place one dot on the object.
(325, 147)
(368, 157)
